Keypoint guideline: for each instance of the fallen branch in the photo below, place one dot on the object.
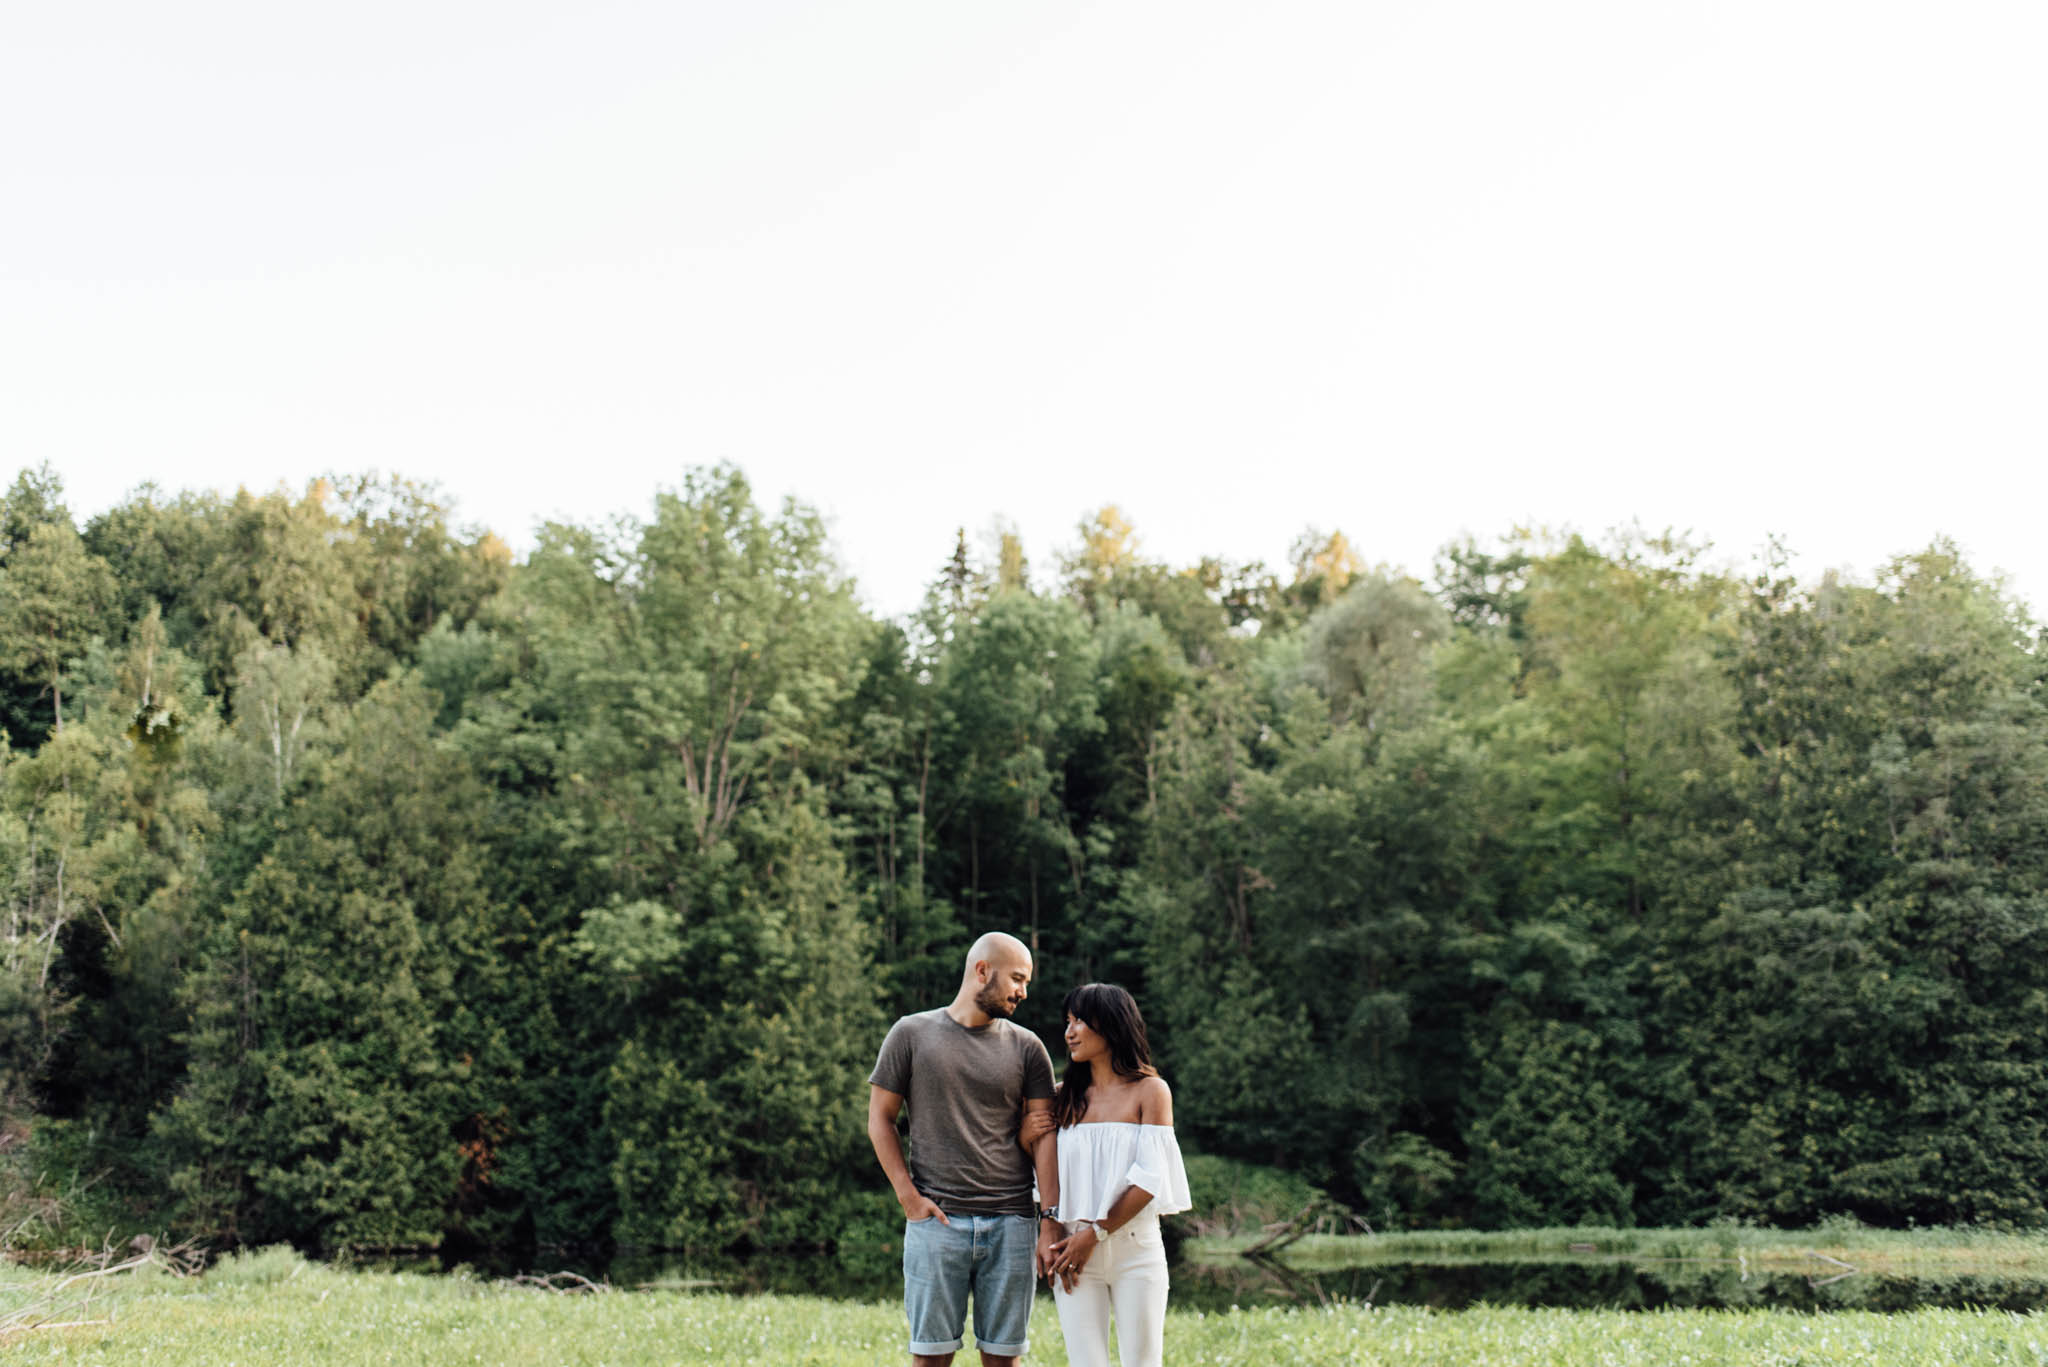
(559, 1283)
(50, 1324)
(64, 1302)
(140, 1260)
(1281, 1233)
(1850, 1269)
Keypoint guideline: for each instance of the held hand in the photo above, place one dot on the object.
(1037, 1125)
(1071, 1254)
(918, 1206)
(1042, 1256)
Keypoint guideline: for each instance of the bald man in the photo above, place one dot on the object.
(969, 1073)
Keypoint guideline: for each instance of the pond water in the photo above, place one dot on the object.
(1220, 1284)
(1596, 1285)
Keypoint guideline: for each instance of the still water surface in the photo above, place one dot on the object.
(1599, 1285)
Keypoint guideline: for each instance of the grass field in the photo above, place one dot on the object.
(273, 1308)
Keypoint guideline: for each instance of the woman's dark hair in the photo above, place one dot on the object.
(1110, 1012)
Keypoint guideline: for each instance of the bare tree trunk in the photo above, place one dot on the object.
(1031, 869)
(1034, 909)
(56, 927)
(1151, 774)
(924, 783)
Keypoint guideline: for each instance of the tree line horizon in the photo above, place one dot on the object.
(367, 885)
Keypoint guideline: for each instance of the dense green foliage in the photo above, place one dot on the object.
(365, 887)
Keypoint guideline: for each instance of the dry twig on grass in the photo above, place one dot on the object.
(560, 1283)
(64, 1300)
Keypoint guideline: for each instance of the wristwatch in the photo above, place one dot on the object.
(1049, 1213)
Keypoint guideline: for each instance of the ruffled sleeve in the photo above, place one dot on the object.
(1156, 1167)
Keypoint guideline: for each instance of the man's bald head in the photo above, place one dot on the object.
(995, 947)
(997, 975)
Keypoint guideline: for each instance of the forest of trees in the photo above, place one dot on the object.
(365, 885)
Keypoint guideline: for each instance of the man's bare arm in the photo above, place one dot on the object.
(1037, 1124)
(1044, 1146)
(883, 1108)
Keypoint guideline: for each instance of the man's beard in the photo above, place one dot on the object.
(991, 1001)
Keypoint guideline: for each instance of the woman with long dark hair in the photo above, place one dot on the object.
(1108, 1168)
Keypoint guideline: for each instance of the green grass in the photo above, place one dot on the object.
(273, 1308)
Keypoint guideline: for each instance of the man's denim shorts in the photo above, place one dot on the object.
(986, 1255)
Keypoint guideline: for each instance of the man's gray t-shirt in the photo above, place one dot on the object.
(966, 1091)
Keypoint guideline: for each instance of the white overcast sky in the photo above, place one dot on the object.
(1407, 270)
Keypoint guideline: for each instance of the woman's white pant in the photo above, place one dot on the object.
(1125, 1277)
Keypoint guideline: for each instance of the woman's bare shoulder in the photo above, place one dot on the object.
(1155, 1100)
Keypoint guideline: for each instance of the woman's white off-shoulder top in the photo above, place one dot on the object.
(1097, 1161)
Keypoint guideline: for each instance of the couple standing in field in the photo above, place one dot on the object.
(984, 1119)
